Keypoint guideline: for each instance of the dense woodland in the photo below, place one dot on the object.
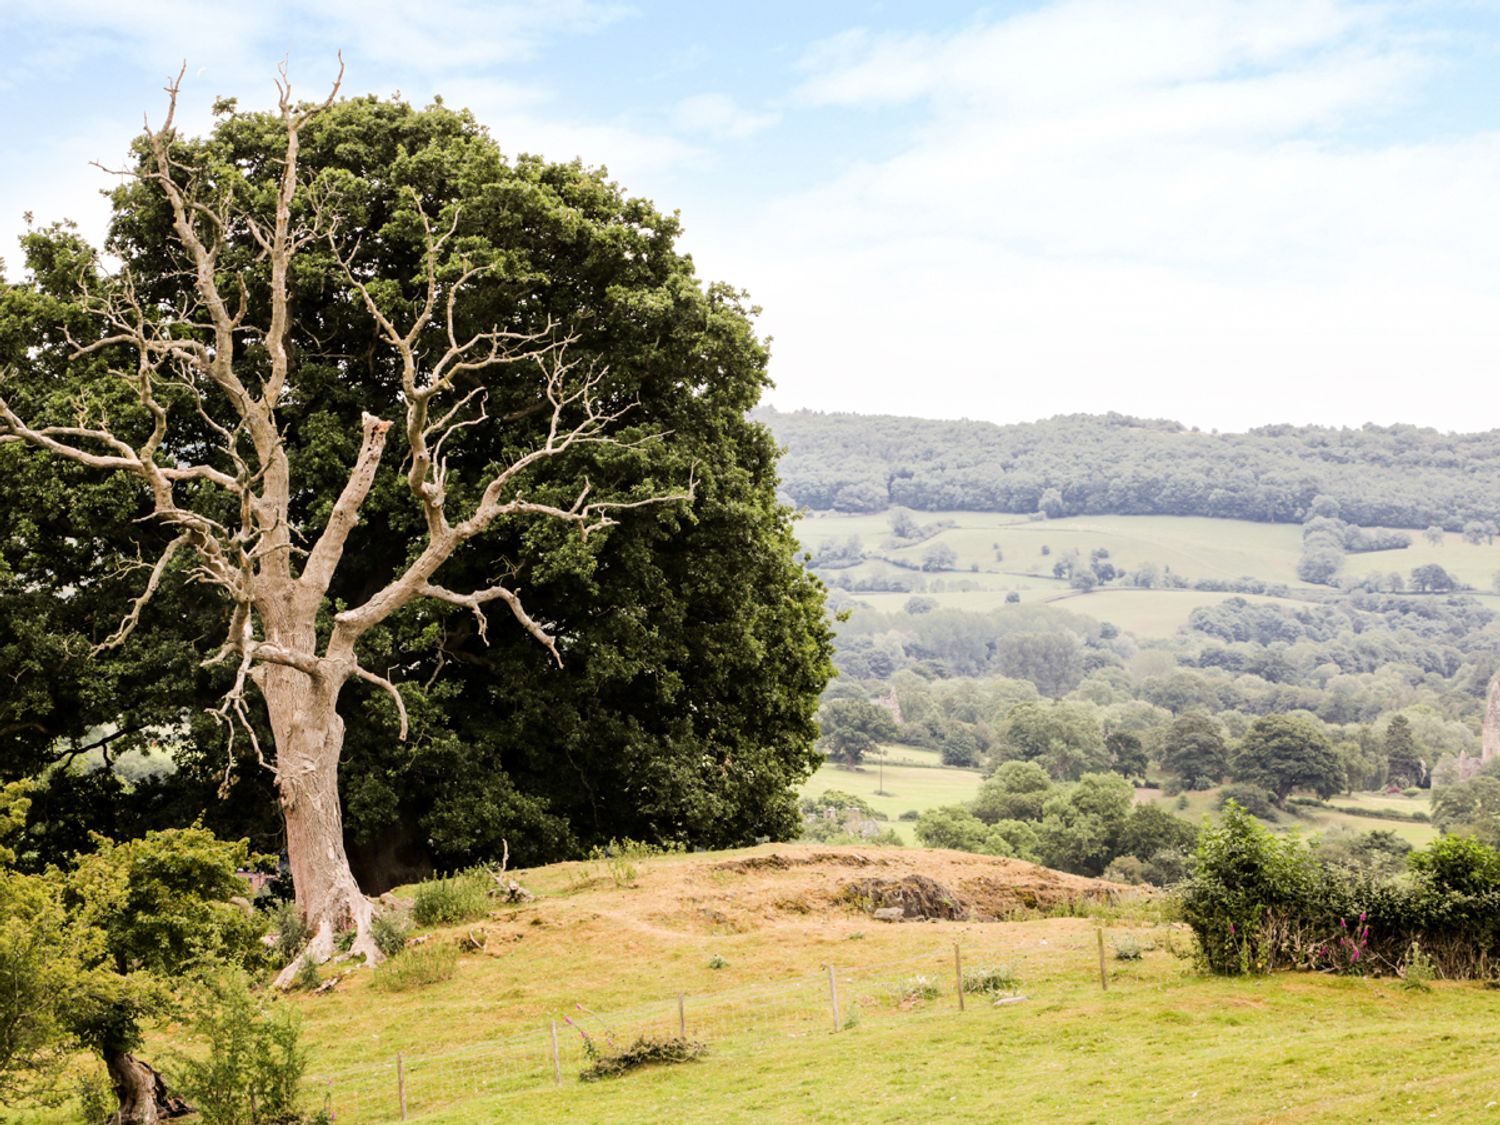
(1380, 476)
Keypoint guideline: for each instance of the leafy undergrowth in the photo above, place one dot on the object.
(1164, 1043)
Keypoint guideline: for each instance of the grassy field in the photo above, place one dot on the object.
(1473, 565)
(1164, 1043)
(918, 787)
(1192, 547)
(1310, 820)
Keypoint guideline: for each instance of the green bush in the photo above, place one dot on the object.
(417, 966)
(991, 980)
(254, 1063)
(290, 931)
(915, 989)
(453, 899)
(909, 814)
(1252, 798)
(307, 977)
(389, 931)
(1258, 902)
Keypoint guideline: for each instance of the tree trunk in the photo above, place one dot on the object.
(141, 1092)
(309, 739)
(1490, 746)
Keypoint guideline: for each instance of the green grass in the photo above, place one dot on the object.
(906, 786)
(1473, 565)
(1191, 546)
(1163, 1044)
(1309, 820)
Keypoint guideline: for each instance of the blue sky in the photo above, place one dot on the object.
(1225, 212)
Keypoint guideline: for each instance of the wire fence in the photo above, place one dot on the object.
(732, 1022)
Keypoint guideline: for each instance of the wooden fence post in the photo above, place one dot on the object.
(401, 1083)
(833, 996)
(556, 1063)
(681, 1015)
(958, 973)
(1103, 976)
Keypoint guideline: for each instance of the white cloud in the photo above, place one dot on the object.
(719, 115)
(1153, 207)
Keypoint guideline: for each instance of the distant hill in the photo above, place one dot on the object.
(1112, 464)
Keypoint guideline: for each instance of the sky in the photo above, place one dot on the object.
(1226, 213)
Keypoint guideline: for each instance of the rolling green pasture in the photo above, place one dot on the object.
(1473, 565)
(1191, 546)
(919, 787)
(1313, 820)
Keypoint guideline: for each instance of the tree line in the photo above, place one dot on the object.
(1379, 476)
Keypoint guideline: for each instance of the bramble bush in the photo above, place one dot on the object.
(1258, 902)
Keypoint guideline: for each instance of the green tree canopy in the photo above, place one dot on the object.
(1194, 749)
(1285, 752)
(851, 728)
(694, 646)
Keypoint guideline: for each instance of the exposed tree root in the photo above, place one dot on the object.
(357, 914)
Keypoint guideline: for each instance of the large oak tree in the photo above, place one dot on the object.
(364, 381)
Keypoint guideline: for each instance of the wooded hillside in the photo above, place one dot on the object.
(1080, 464)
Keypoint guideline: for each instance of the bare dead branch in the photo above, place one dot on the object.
(389, 688)
(476, 601)
(133, 618)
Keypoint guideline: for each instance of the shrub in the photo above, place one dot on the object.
(1258, 903)
(389, 930)
(453, 899)
(717, 962)
(1127, 947)
(909, 814)
(1248, 884)
(645, 1051)
(915, 989)
(291, 933)
(254, 1063)
(991, 980)
(620, 857)
(1125, 869)
(1459, 863)
(1252, 798)
(1417, 970)
(307, 977)
(1168, 867)
(416, 967)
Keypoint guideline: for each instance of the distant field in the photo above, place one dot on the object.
(906, 786)
(1151, 613)
(1191, 546)
(1310, 820)
(1473, 565)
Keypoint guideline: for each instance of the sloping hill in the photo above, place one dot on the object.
(747, 943)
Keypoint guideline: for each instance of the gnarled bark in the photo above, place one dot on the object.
(142, 1094)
